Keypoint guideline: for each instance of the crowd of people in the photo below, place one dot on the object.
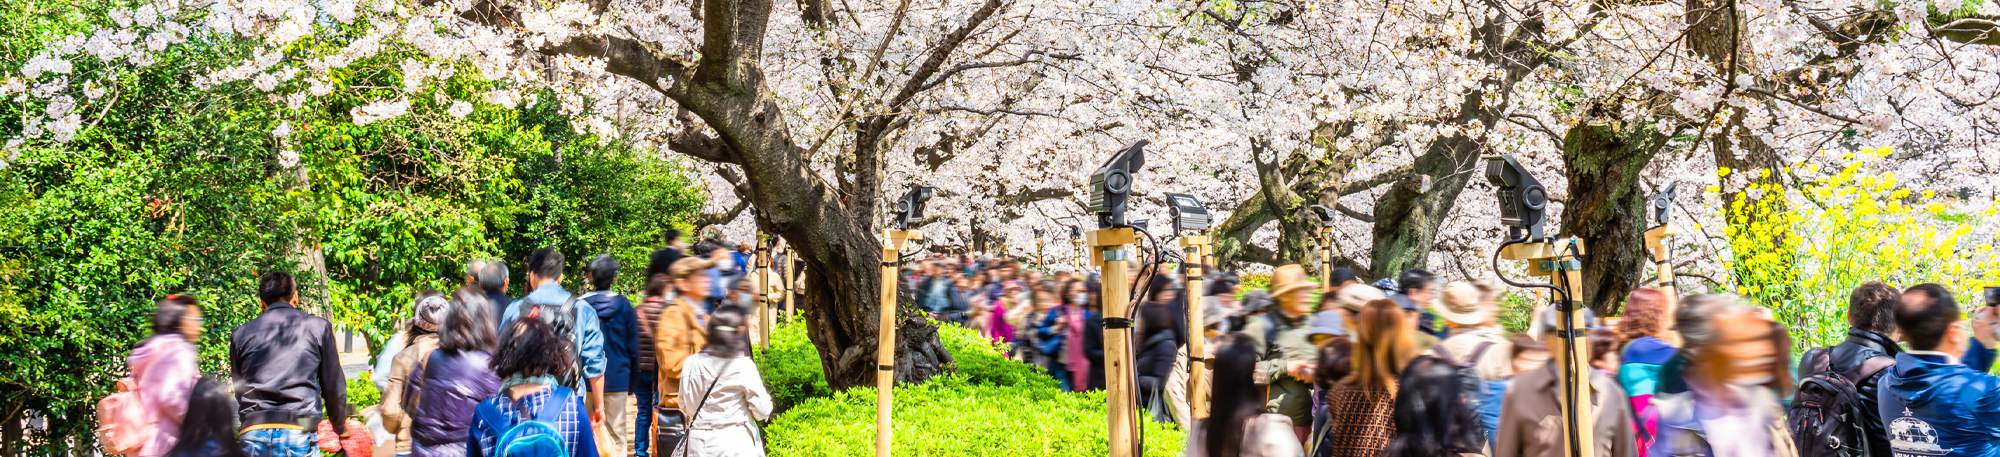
(1401, 367)
(472, 372)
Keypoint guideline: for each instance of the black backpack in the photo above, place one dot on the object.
(563, 319)
(1469, 382)
(1825, 416)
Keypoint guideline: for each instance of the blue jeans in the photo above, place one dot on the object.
(1062, 376)
(644, 390)
(280, 442)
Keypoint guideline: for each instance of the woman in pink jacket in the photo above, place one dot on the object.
(164, 366)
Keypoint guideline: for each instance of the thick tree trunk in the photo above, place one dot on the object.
(1607, 209)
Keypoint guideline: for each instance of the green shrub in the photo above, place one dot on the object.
(950, 416)
(361, 392)
(793, 374)
(1517, 309)
(986, 405)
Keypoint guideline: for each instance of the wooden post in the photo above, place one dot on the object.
(791, 283)
(765, 318)
(1197, 390)
(885, 346)
(1571, 352)
(1326, 257)
(1663, 263)
(1108, 250)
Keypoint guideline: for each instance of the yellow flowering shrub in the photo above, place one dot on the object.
(1801, 250)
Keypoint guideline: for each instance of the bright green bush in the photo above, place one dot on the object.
(792, 370)
(987, 405)
(361, 392)
(950, 416)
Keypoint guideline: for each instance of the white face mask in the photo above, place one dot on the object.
(726, 264)
(1080, 299)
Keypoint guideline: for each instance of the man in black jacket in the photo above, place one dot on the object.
(287, 366)
(664, 259)
(1871, 318)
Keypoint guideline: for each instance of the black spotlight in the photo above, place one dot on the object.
(1188, 212)
(1523, 201)
(1111, 185)
(911, 205)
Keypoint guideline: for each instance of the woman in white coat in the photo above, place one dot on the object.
(722, 394)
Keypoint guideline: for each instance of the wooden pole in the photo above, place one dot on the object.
(791, 282)
(1326, 257)
(765, 317)
(1571, 352)
(1197, 390)
(1109, 251)
(885, 345)
(1663, 263)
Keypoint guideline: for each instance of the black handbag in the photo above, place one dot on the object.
(672, 429)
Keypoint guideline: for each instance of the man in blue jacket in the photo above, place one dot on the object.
(545, 271)
(1932, 403)
(619, 322)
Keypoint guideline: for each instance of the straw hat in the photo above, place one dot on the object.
(1288, 278)
(1462, 305)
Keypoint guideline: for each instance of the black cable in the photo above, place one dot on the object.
(1562, 299)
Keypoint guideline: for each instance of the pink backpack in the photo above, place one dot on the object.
(124, 425)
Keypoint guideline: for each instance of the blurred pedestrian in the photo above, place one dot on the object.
(1221, 293)
(1432, 416)
(454, 378)
(646, 367)
(1934, 402)
(532, 357)
(211, 425)
(1285, 351)
(491, 276)
(1336, 363)
(618, 322)
(573, 321)
(1413, 293)
(1157, 348)
(680, 332)
(289, 369)
(727, 396)
(1862, 359)
(1640, 329)
(1237, 425)
(1725, 403)
(163, 366)
(1531, 425)
(1359, 407)
(663, 259)
(399, 393)
(1477, 342)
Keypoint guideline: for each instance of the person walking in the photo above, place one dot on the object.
(645, 367)
(1863, 358)
(1157, 348)
(1642, 356)
(399, 393)
(1066, 361)
(1432, 416)
(164, 367)
(532, 357)
(1531, 424)
(210, 426)
(1359, 407)
(1285, 351)
(491, 276)
(579, 325)
(1477, 341)
(455, 377)
(289, 371)
(680, 332)
(660, 261)
(727, 394)
(1336, 362)
(1237, 425)
(1724, 402)
(618, 321)
(1934, 402)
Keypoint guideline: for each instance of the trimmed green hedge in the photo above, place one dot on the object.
(989, 405)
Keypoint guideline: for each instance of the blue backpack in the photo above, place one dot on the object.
(532, 435)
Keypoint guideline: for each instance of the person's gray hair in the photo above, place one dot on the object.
(1693, 319)
(490, 274)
